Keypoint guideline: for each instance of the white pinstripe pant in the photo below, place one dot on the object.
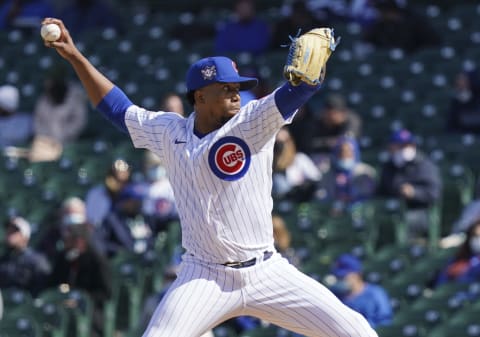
(205, 295)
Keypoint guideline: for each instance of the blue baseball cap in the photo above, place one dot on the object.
(345, 264)
(217, 69)
(402, 137)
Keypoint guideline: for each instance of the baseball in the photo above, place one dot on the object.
(50, 32)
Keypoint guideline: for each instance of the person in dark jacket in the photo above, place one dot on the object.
(81, 266)
(333, 120)
(21, 266)
(412, 177)
(464, 113)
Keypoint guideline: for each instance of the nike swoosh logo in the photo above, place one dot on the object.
(180, 141)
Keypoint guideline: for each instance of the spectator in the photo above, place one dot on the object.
(370, 300)
(60, 116)
(24, 13)
(173, 103)
(464, 112)
(72, 212)
(400, 27)
(88, 15)
(80, 266)
(413, 178)
(469, 215)
(245, 33)
(294, 174)
(21, 266)
(298, 19)
(159, 202)
(465, 265)
(100, 198)
(349, 180)
(15, 127)
(328, 11)
(334, 120)
(125, 227)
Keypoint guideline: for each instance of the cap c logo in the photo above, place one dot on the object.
(229, 158)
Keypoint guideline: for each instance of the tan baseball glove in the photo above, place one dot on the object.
(308, 56)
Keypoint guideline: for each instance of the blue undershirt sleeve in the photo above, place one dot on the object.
(114, 106)
(289, 98)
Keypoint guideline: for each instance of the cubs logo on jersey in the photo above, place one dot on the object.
(229, 158)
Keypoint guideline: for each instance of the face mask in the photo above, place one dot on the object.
(475, 245)
(346, 164)
(409, 153)
(341, 288)
(400, 157)
(463, 95)
(156, 173)
(73, 219)
(72, 254)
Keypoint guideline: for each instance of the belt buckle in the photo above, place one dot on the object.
(266, 255)
(241, 264)
(233, 264)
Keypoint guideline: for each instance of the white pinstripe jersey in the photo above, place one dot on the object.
(222, 181)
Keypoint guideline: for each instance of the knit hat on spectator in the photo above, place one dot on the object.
(402, 137)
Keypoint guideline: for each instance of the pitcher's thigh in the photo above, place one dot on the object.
(284, 296)
(192, 307)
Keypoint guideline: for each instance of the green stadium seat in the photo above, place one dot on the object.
(401, 330)
(15, 297)
(52, 318)
(19, 325)
(128, 278)
(79, 315)
(464, 323)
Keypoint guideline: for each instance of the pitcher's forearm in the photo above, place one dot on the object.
(95, 83)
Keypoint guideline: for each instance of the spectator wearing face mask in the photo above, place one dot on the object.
(370, 300)
(465, 265)
(60, 116)
(412, 177)
(72, 212)
(159, 202)
(349, 180)
(80, 266)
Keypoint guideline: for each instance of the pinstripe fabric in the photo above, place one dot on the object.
(278, 293)
(222, 184)
(204, 295)
(221, 220)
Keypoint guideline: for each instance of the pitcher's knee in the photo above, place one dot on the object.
(359, 326)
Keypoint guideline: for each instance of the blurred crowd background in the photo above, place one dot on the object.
(375, 184)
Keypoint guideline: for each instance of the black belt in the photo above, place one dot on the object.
(248, 263)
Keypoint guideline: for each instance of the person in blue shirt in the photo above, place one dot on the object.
(245, 33)
(370, 300)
